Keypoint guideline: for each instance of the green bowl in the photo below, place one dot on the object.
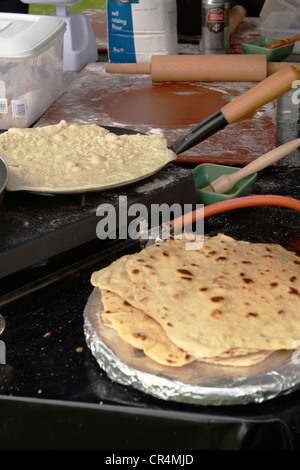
(205, 173)
(258, 46)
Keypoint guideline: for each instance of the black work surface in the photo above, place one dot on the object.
(53, 394)
(37, 227)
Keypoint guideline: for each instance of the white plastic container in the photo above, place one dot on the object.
(31, 66)
(80, 45)
(271, 6)
(138, 29)
(282, 25)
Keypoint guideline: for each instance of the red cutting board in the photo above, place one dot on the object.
(133, 102)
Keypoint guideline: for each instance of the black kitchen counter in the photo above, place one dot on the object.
(53, 395)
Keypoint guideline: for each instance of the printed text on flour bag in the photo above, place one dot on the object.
(137, 29)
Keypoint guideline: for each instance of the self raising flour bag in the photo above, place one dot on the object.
(138, 29)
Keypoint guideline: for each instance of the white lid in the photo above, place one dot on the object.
(282, 20)
(51, 2)
(24, 35)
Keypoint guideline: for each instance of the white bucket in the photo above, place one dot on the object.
(138, 29)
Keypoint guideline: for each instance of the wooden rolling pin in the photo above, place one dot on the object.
(204, 68)
(237, 14)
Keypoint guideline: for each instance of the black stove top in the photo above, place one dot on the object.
(52, 382)
(35, 228)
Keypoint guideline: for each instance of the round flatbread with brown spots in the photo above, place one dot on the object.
(141, 331)
(227, 302)
(120, 312)
(227, 294)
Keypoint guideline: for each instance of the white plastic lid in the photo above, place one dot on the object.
(56, 2)
(25, 35)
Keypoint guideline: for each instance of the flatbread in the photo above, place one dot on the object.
(229, 294)
(246, 360)
(79, 157)
(114, 282)
(141, 331)
(115, 278)
(230, 302)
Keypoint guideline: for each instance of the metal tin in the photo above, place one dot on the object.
(4, 175)
(215, 26)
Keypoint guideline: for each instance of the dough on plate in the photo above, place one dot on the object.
(79, 157)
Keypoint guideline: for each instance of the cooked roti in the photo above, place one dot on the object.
(229, 294)
(230, 302)
(115, 278)
(141, 331)
(78, 157)
(117, 296)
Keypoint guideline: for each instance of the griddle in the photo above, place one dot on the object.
(36, 228)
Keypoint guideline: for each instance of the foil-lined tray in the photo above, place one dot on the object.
(195, 383)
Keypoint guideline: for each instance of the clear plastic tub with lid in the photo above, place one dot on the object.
(31, 66)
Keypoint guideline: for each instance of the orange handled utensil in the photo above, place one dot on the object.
(267, 90)
(283, 42)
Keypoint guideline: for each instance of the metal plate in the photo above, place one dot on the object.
(196, 383)
(4, 175)
(117, 131)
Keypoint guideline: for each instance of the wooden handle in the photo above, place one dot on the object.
(226, 67)
(235, 67)
(283, 42)
(266, 91)
(191, 68)
(268, 159)
(140, 68)
(225, 182)
(237, 14)
(273, 67)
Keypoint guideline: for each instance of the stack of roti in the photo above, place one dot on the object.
(228, 302)
(67, 157)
